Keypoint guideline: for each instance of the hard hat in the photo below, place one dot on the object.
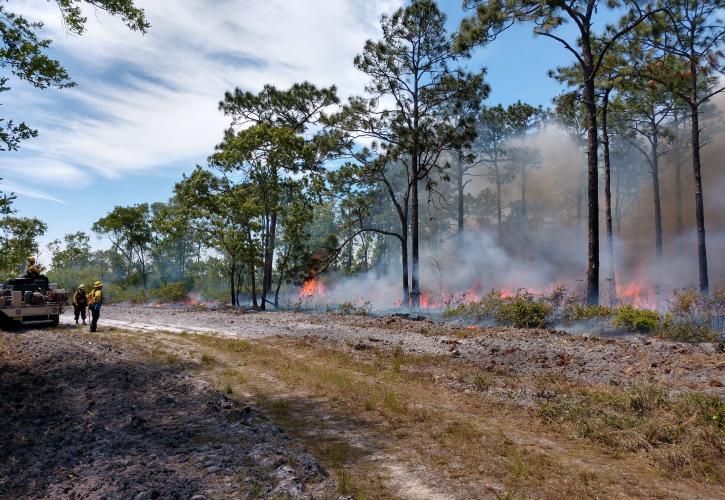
(98, 284)
(82, 286)
(31, 260)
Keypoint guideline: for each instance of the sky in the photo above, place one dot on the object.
(144, 110)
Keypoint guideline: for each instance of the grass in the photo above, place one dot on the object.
(414, 407)
(684, 434)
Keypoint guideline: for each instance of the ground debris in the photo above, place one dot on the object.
(85, 420)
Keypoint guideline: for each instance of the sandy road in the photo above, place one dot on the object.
(586, 358)
(85, 418)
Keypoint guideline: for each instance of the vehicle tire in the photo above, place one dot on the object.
(55, 319)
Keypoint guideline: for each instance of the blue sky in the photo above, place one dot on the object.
(145, 108)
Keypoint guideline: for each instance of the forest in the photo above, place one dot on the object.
(421, 193)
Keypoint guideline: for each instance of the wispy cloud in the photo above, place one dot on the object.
(23, 191)
(145, 102)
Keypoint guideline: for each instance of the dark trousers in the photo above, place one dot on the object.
(95, 314)
(79, 311)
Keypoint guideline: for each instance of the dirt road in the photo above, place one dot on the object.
(185, 403)
(588, 358)
(85, 418)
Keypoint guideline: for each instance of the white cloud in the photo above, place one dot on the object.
(148, 101)
(23, 191)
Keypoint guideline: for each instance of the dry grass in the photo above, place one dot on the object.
(352, 407)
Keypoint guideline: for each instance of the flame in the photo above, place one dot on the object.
(311, 288)
(635, 293)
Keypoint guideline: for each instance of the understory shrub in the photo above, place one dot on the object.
(116, 293)
(171, 292)
(522, 310)
(640, 320)
(575, 311)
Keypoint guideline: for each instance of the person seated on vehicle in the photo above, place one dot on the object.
(34, 272)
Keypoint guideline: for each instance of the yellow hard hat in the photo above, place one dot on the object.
(31, 260)
(82, 286)
(98, 284)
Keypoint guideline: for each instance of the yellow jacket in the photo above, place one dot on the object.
(95, 297)
(82, 295)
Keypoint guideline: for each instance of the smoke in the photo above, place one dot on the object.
(552, 252)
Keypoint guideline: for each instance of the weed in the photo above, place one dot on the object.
(482, 381)
(208, 359)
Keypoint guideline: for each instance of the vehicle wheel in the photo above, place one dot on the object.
(55, 318)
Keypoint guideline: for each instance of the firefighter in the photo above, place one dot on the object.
(34, 271)
(80, 303)
(95, 301)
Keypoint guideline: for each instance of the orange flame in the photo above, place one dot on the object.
(311, 288)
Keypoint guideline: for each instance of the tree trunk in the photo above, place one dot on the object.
(618, 199)
(232, 288)
(498, 202)
(699, 202)
(524, 215)
(593, 181)
(656, 194)
(608, 201)
(677, 160)
(459, 180)
(415, 284)
(253, 284)
(404, 260)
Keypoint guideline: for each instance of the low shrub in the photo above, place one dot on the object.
(640, 320)
(348, 308)
(522, 311)
(685, 331)
(116, 293)
(478, 311)
(575, 311)
(171, 292)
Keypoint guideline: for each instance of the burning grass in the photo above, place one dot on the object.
(692, 316)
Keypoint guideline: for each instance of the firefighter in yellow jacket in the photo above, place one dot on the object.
(80, 302)
(95, 301)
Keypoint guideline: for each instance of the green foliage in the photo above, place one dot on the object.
(117, 293)
(522, 311)
(478, 311)
(640, 320)
(172, 292)
(24, 52)
(575, 311)
(18, 238)
(130, 231)
(693, 316)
